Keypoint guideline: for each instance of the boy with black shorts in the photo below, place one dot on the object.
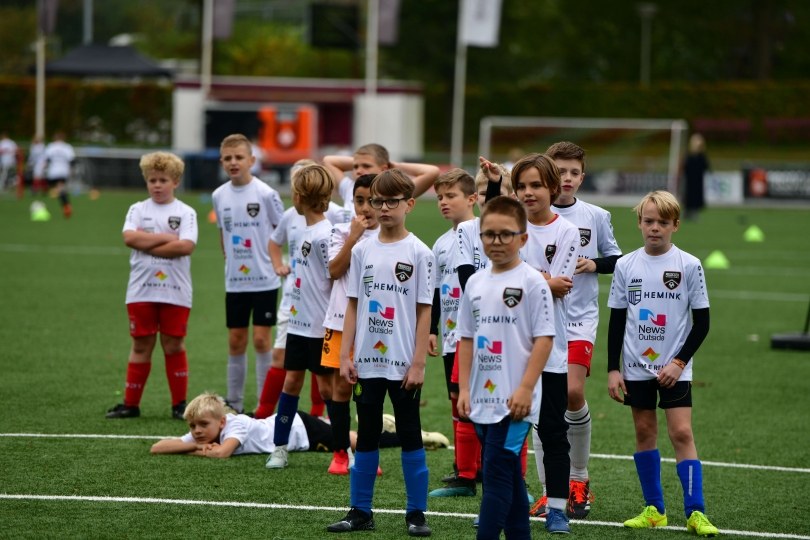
(653, 291)
(247, 210)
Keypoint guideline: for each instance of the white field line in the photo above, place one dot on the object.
(273, 506)
(595, 456)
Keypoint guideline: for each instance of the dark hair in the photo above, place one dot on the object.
(363, 181)
(506, 206)
(392, 182)
(549, 173)
(567, 150)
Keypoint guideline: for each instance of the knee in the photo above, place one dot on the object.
(143, 345)
(172, 345)
(681, 436)
(293, 382)
(261, 343)
(237, 343)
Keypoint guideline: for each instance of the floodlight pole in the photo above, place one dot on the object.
(207, 47)
(39, 127)
(372, 40)
(459, 87)
(646, 11)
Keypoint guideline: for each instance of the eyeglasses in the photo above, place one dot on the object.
(504, 237)
(390, 203)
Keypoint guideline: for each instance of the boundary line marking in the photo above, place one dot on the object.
(275, 506)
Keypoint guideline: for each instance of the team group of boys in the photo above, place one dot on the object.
(512, 296)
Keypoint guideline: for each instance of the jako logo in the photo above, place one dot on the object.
(239, 241)
(380, 346)
(452, 292)
(651, 355)
(489, 386)
(496, 347)
(376, 307)
(647, 315)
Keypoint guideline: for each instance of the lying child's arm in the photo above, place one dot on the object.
(212, 450)
(173, 446)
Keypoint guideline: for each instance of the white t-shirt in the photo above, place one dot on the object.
(338, 299)
(470, 251)
(8, 153)
(346, 192)
(59, 155)
(158, 279)
(36, 159)
(595, 239)
(659, 293)
(247, 216)
(503, 313)
(444, 250)
(256, 436)
(553, 248)
(311, 282)
(388, 280)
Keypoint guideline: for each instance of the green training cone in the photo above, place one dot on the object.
(716, 261)
(754, 234)
(39, 212)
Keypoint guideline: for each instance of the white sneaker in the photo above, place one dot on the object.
(389, 423)
(278, 459)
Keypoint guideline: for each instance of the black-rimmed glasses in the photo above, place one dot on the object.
(504, 237)
(390, 203)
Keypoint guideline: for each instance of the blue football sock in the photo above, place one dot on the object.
(690, 472)
(361, 479)
(415, 471)
(648, 466)
(287, 408)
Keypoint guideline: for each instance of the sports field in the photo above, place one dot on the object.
(66, 471)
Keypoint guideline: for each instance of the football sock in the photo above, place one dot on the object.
(287, 408)
(263, 361)
(361, 479)
(415, 471)
(177, 375)
(468, 451)
(454, 413)
(579, 436)
(648, 466)
(340, 416)
(137, 373)
(271, 391)
(315, 397)
(538, 458)
(690, 471)
(237, 369)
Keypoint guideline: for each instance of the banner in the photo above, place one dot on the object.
(481, 20)
(777, 184)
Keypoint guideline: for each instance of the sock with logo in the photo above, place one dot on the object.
(287, 408)
(690, 472)
(137, 373)
(177, 375)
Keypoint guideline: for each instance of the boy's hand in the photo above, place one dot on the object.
(414, 377)
(584, 266)
(283, 270)
(432, 345)
(560, 286)
(520, 404)
(615, 384)
(669, 375)
(358, 226)
(490, 169)
(347, 370)
(463, 403)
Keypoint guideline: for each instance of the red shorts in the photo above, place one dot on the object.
(580, 352)
(454, 372)
(149, 318)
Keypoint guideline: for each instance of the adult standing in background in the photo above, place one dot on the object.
(695, 167)
(59, 156)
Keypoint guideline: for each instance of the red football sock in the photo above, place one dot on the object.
(177, 375)
(315, 397)
(137, 373)
(273, 384)
(468, 451)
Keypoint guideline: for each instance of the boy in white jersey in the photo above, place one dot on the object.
(653, 290)
(506, 326)
(59, 156)
(344, 237)
(598, 253)
(162, 232)
(552, 249)
(387, 325)
(311, 188)
(373, 159)
(248, 210)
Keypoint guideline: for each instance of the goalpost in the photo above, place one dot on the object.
(623, 155)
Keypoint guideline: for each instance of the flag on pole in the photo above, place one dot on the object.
(481, 20)
(47, 16)
(223, 18)
(388, 33)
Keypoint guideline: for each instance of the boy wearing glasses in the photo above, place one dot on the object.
(387, 325)
(506, 325)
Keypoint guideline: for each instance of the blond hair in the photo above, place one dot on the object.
(235, 139)
(454, 177)
(313, 184)
(666, 203)
(207, 403)
(377, 152)
(164, 162)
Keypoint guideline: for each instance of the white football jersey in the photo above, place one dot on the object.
(553, 248)
(595, 240)
(247, 216)
(158, 279)
(388, 280)
(338, 299)
(502, 314)
(346, 192)
(59, 155)
(659, 293)
(444, 250)
(470, 250)
(311, 282)
(256, 436)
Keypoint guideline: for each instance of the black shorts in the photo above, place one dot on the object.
(372, 391)
(304, 353)
(238, 306)
(54, 181)
(643, 394)
(452, 387)
(319, 433)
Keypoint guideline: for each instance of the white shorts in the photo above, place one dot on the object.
(282, 319)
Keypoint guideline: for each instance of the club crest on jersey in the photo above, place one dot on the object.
(672, 279)
(306, 247)
(253, 209)
(634, 294)
(584, 237)
(403, 271)
(551, 249)
(174, 222)
(512, 296)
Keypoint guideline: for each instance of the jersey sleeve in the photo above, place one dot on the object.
(187, 438)
(696, 281)
(323, 255)
(465, 254)
(275, 208)
(188, 227)
(607, 244)
(236, 427)
(355, 271)
(466, 322)
(617, 297)
(565, 260)
(337, 241)
(542, 311)
(426, 266)
(279, 234)
(133, 218)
